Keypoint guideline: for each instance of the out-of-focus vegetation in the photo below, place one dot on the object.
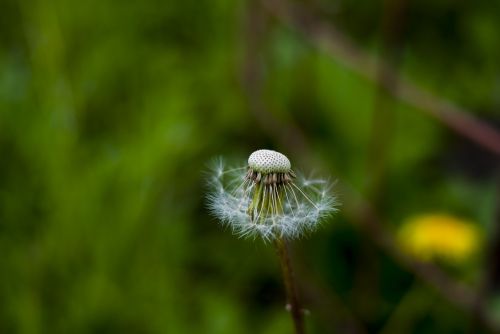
(439, 237)
(109, 112)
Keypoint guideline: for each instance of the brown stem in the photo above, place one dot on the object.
(327, 37)
(293, 304)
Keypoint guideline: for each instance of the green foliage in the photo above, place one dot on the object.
(109, 112)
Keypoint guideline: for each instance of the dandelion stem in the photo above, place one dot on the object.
(293, 304)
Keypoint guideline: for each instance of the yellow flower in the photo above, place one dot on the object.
(439, 236)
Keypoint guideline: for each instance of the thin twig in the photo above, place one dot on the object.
(293, 303)
(255, 32)
(381, 136)
(327, 37)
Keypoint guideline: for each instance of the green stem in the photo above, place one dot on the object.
(293, 304)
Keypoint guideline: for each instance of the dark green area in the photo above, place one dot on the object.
(110, 111)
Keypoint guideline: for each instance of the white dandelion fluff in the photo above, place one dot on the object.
(267, 199)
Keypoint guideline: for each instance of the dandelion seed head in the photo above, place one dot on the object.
(268, 161)
(264, 198)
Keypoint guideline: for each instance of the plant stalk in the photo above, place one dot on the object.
(293, 304)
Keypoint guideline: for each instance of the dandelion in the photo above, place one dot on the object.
(268, 199)
(439, 236)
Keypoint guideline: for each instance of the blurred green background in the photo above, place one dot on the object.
(110, 111)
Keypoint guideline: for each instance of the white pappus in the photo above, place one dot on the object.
(267, 199)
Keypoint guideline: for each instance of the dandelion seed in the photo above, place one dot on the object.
(265, 199)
